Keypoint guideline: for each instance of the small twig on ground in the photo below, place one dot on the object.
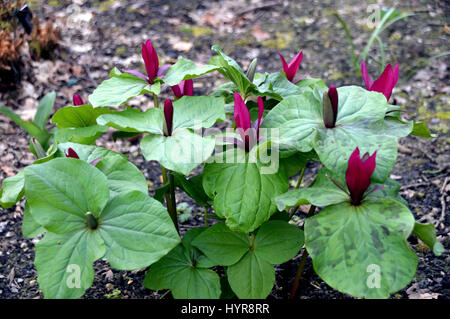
(260, 7)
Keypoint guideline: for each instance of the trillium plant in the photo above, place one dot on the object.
(85, 203)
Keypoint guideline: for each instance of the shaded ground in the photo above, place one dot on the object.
(100, 35)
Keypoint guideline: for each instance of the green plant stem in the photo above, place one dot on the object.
(303, 259)
(155, 100)
(252, 241)
(299, 182)
(170, 196)
(206, 216)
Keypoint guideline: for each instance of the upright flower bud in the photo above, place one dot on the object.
(358, 175)
(77, 100)
(330, 107)
(168, 115)
(151, 60)
(252, 69)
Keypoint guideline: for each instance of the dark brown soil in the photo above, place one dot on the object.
(99, 35)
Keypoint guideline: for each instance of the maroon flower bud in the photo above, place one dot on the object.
(77, 100)
(358, 175)
(151, 60)
(168, 115)
(330, 107)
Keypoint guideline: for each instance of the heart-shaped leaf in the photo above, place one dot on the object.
(60, 193)
(362, 250)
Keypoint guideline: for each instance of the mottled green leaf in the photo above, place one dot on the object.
(362, 250)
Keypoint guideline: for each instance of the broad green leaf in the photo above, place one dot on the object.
(81, 135)
(30, 228)
(360, 122)
(12, 190)
(181, 152)
(32, 129)
(222, 245)
(196, 283)
(137, 231)
(277, 86)
(184, 70)
(78, 116)
(197, 112)
(122, 175)
(133, 120)
(322, 192)
(64, 262)
(312, 83)
(120, 88)
(252, 277)
(427, 234)
(362, 250)
(44, 109)
(278, 241)
(242, 193)
(176, 271)
(60, 192)
(231, 70)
